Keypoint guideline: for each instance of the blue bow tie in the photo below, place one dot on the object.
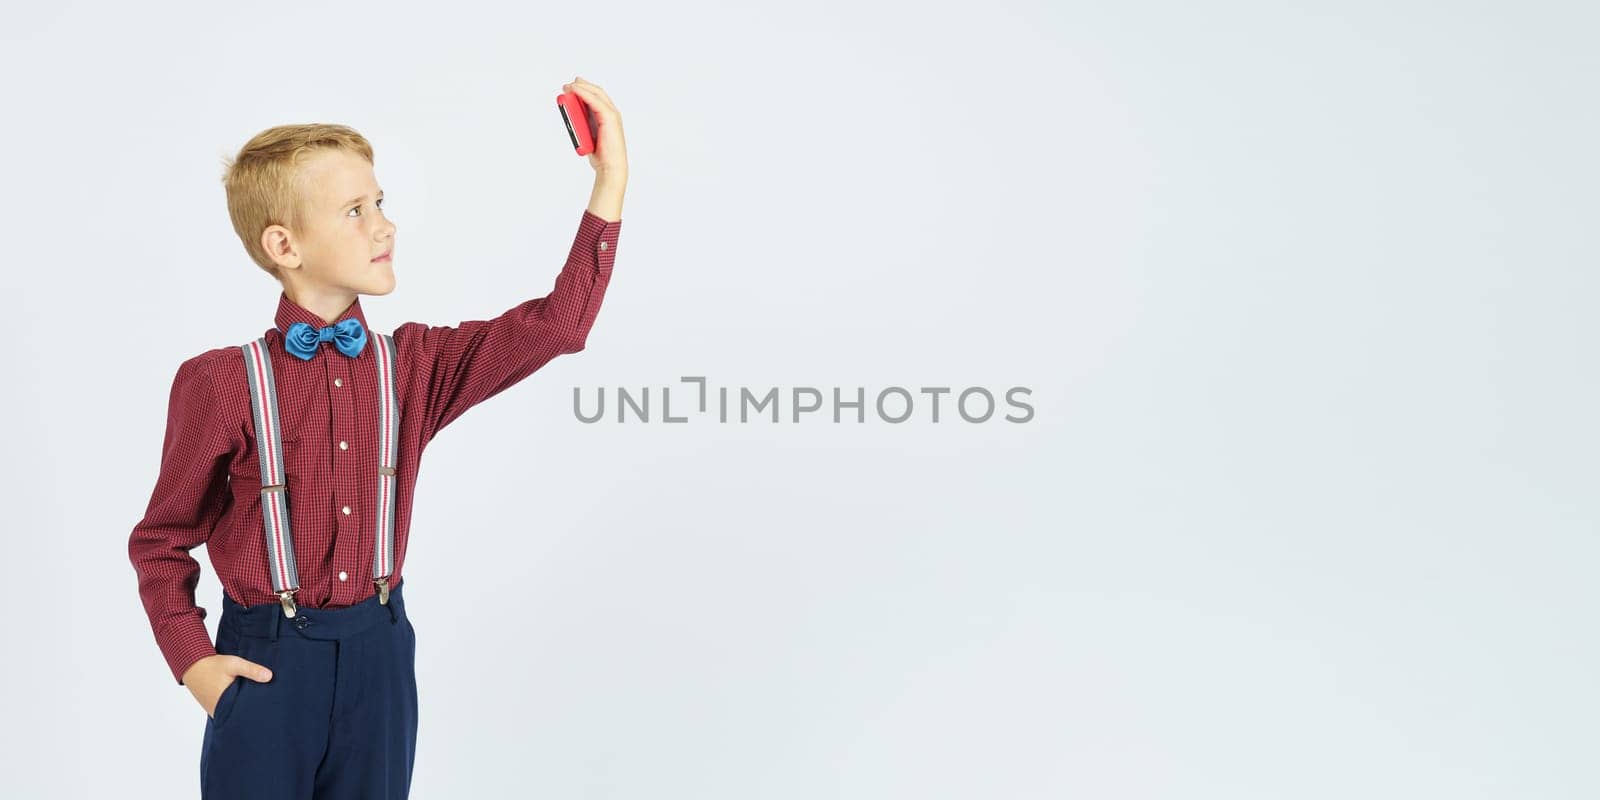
(347, 335)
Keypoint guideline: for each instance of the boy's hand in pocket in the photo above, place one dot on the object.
(209, 677)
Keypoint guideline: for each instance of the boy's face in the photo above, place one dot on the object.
(344, 230)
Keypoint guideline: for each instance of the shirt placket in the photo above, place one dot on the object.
(344, 402)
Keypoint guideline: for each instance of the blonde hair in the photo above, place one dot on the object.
(264, 182)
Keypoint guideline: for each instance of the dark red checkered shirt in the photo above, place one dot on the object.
(209, 487)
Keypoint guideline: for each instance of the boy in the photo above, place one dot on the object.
(295, 464)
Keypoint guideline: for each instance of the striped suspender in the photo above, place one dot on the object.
(274, 483)
(388, 441)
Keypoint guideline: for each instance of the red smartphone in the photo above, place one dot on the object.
(579, 121)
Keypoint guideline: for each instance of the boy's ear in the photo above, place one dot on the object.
(279, 245)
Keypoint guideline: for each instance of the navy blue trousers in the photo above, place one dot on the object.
(338, 719)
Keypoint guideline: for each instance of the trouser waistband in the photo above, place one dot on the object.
(267, 620)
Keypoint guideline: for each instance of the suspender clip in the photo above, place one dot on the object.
(286, 599)
(383, 590)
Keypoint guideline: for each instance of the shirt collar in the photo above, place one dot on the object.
(290, 312)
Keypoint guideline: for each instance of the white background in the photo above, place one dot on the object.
(1304, 295)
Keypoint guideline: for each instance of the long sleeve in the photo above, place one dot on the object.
(464, 365)
(190, 494)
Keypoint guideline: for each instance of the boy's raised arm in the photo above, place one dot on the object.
(190, 494)
(457, 367)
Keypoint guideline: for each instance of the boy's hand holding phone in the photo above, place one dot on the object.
(609, 158)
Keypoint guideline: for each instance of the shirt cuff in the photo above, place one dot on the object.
(186, 643)
(598, 239)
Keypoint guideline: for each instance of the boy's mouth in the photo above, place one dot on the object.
(387, 254)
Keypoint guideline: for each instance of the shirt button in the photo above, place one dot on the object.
(602, 245)
(342, 576)
(338, 381)
(343, 445)
(346, 510)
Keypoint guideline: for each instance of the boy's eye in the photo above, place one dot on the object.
(357, 209)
